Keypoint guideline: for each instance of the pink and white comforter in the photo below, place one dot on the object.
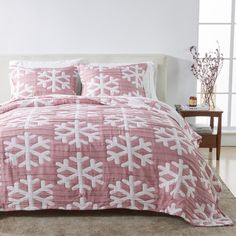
(79, 153)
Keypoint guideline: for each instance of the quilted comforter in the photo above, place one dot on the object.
(80, 153)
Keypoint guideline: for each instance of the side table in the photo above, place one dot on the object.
(209, 140)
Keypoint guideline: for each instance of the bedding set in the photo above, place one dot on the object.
(112, 146)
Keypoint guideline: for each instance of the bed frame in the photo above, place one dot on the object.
(159, 60)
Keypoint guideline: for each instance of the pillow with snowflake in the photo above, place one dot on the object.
(113, 80)
(29, 82)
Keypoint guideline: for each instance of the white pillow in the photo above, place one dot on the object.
(150, 81)
(46, 64)
(150, 76)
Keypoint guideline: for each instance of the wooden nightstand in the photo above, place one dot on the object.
(209, 140)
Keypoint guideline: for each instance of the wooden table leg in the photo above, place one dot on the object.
(212, 127)
(218, 153)
(218, 137)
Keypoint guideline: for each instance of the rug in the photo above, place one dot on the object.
(111, 223)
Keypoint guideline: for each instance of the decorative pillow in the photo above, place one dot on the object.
(123, 80)
(28, 82)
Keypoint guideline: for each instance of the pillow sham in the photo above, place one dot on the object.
(52, 64)
(113, 80)
(28, 82)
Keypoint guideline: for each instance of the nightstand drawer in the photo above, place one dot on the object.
(208, 141)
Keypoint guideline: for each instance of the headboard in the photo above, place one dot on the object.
(159, 60)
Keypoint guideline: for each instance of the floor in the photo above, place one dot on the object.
(225, 167)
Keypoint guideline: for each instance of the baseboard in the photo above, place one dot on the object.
(228, 139)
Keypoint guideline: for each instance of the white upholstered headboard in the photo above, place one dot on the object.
(159, 60)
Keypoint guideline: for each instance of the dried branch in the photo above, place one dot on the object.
(206, 69)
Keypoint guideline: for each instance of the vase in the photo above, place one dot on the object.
(208, 95)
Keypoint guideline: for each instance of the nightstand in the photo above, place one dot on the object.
(209, 140)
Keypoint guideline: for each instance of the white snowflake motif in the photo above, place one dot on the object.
(126, 192)
(26, 120)
(178, 177)
(104, 85)
(134, 94)
(123, 119)
(133, 74)
(77, 132)
(132, 149)
(82, 204)
(22, 90)
(172, 209)
(92, 113)
(64, 113)
(159, 106)
(79, 169)
(69, 111)
(34, 193)
(128, 147)
(209, 180)
(17, 72)
(27, 150)
(175, 140)
(35, 121)
(159, 118)
(138, 103)
(36, 102)
(54, 80)
(209, 215)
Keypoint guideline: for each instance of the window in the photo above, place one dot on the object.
(217, 22)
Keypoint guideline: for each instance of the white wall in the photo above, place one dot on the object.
(105, 26)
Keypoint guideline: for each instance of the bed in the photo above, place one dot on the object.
(102, 150)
